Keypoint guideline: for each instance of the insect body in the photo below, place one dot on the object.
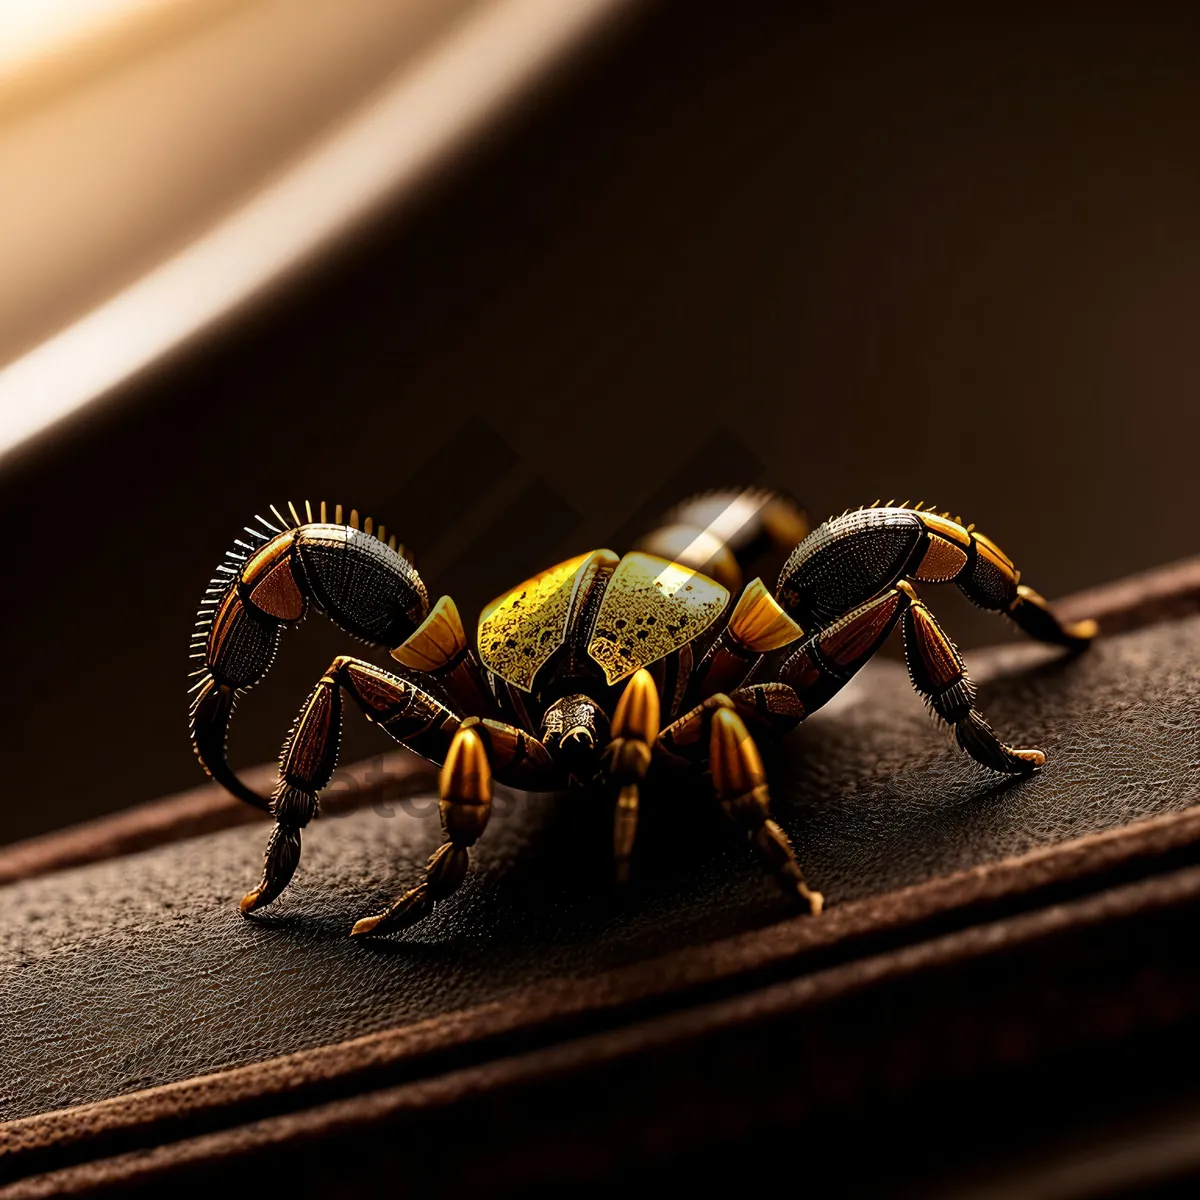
(597, 667)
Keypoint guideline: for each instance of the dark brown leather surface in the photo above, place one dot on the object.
(127, 974)
(970, 1053)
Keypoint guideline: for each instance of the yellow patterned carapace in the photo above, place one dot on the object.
(651, 607)
(519, 631)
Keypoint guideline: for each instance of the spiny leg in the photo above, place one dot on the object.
(851, 558)
(824, 662)
(406, 712)
(466, 804)
(627, 759)
(741, 786)
(305, 766)
(359, 580)
(310, 754)
(939, 674)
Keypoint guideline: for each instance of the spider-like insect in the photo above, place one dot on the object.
(594, 668)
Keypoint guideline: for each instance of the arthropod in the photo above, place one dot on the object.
(593, 669)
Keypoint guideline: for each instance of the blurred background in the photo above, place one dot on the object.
(498, 271)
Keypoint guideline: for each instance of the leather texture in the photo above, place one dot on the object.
(123, 975)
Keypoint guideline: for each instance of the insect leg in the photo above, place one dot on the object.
(766, 707)
(939, 674)
(756, 626)
(406, 712)
(272, 578)
(476, 750)
(627, 759)
(987, 577)
(715, 732)
(310, 754)
(466, 805)
(823, 663)
(741, 786)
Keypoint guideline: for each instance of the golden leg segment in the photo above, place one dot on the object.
(305, 766)
(311, 751)
(416, 719)
(1032, 614)
(741, 786)
(939, 674)
(627, 759)
(466, 804)
(988, 578)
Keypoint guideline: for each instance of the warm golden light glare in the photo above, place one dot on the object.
(33, 30)
(226, 176)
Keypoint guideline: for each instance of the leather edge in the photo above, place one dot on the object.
(568, 1009)
(542, 1067)
(1162, 594)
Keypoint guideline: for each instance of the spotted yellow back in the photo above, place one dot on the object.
(520, 630)
(651, 607)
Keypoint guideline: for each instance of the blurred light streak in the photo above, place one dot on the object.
(33, 30)
(479, 67)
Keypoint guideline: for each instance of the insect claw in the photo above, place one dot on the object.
(816, 901)
(412, 907)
